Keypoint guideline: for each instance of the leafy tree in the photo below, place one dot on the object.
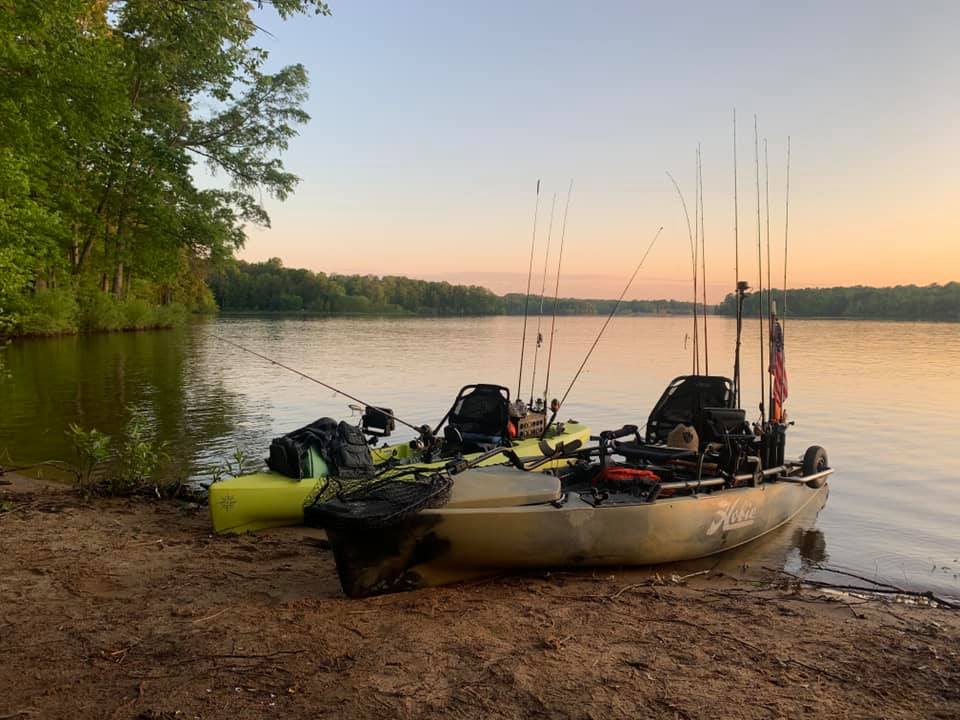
(106, 107)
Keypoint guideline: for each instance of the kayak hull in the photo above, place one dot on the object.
(268, 499)
(448, 544)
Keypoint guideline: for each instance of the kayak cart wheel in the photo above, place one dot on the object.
(815, 461)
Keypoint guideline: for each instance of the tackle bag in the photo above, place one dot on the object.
(341, 446)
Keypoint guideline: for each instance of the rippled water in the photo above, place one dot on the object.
(883, 398)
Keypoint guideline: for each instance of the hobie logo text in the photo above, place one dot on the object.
(733, 515)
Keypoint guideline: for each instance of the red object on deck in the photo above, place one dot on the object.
(623, 474)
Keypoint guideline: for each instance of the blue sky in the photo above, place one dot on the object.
(432, 122)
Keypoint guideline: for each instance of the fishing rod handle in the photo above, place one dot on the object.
(617, 434)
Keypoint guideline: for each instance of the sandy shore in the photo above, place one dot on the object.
(131, 609)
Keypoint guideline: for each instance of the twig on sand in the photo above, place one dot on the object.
(19, 713)
(674, 580)
(147, 542)
(624, 589)
(209, 617)
(690, 575)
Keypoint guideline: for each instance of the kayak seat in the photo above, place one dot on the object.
(483, 410)
(502, 487)
(686, 401)
(478, 419)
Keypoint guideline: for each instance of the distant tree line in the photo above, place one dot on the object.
(513, 304)
(270, 287)
(903, 302)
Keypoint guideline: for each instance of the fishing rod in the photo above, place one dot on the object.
(543, 290)
(420, 430)
(736, 266)
(556, 295)
(766, 173)
(770, 303)
(526, 304)
(703, 263)
(756, 158)
(696, 243)
(696, 343)
(786, 229)
(606, 322)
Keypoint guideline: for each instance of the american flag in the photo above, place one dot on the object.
(778, 371)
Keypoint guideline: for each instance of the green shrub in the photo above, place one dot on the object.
(138, 457)
(84, 307)
(137, 314)
(92, 448)
(50, 312)
(169, 315)
(99, 311)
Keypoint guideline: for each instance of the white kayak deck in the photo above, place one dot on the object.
(502, 487)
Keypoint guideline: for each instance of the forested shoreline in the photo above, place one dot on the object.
(939, 303)
(108, 110)
(268, 287)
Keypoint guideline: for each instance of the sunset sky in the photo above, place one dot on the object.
(433, 121)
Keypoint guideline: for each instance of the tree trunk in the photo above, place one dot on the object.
(118, 277)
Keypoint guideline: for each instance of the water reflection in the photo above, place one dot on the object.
(812, 546)
(97, 381)
(883, 398)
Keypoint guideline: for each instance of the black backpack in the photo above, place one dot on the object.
(348, 455)
(341, 445)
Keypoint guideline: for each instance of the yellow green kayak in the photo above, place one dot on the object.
(270, 499)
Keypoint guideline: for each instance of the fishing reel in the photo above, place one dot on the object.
(427, 442)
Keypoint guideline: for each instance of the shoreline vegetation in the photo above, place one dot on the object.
(269, 288)
(236, 288)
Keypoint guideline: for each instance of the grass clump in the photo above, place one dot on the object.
(130, 468)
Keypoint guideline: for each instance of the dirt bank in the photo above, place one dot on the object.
(124, 609)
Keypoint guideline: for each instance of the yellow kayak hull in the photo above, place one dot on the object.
(268, 499)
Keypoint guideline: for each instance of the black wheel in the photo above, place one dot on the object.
(815, 461)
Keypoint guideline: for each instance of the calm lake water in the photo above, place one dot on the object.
(882, 398)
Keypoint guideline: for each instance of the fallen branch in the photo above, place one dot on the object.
(888, 590)
(877, 583)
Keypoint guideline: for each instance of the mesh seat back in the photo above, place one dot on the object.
(685, 402)
(484, 410)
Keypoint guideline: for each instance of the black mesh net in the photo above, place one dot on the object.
(379, 502)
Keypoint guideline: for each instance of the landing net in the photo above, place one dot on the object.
(361, 503)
